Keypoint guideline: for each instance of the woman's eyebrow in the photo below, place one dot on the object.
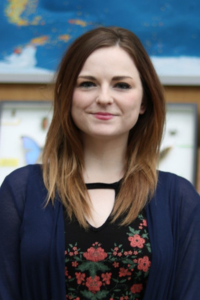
(114, 78)
(87, 77)
(121, 77)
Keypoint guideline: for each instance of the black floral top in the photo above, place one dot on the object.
(110, 262)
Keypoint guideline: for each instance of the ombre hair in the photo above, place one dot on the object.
(63, 152)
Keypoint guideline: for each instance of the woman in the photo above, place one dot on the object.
(97, 220)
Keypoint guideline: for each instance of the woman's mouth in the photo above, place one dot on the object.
(103, 116)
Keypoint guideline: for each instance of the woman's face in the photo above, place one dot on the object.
(107, 99)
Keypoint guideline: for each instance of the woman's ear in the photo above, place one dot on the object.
(143, 107)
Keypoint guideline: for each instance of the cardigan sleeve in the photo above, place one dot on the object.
(187, 278)
(12, 200)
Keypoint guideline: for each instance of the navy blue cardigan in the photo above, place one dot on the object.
(32, 240)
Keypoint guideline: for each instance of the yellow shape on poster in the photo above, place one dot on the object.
(9, 162)
(15, 8)
(14, 11)
(40, 40)
(64, 37)
(78, 22)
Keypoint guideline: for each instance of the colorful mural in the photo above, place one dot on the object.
(35, 33)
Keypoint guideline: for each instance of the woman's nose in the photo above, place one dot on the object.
(104, 97)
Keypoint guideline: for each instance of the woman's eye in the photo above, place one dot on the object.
(122, 85)
(86, 84)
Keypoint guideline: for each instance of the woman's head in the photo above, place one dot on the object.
(107, 98)
(150, 124)
(63, 152)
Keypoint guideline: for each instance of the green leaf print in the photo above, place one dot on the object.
(138, 274)
(144, 235)
(71, 279)
(101, 294)
(67, 259)
(101, 267)
(148, 247)
(92, 267)
(133, 231)
(88, 295)
(78, 258)
(141, 217)
(98, 295)
(113, 259)
(122, 281)
(127, 261)
(85, 266)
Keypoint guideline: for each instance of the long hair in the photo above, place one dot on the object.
(63, 152)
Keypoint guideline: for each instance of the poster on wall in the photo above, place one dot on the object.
(178, 153)
(23, 129)
(35, 34)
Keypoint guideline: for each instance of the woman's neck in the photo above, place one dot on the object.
(104, 161)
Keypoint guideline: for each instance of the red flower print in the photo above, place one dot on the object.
(115, 264)
(135, 252)
(93, 284)
(80, 277)
(95, 254)
(71, 253)
(124, 272)
(143, 264)
(136, 288)
(136, 241)
(106, 277)
(66, 271)
(74, 264)
(144, 222)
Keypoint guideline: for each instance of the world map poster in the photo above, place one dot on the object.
(35, 34)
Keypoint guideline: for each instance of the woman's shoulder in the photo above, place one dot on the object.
(178, 189)
(20, 185)
(14, 189)
(170, 180)
(17, 182)
(22, 175)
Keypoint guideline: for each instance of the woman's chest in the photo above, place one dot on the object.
(108, 262)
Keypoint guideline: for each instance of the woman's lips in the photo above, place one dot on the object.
(103, 116)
